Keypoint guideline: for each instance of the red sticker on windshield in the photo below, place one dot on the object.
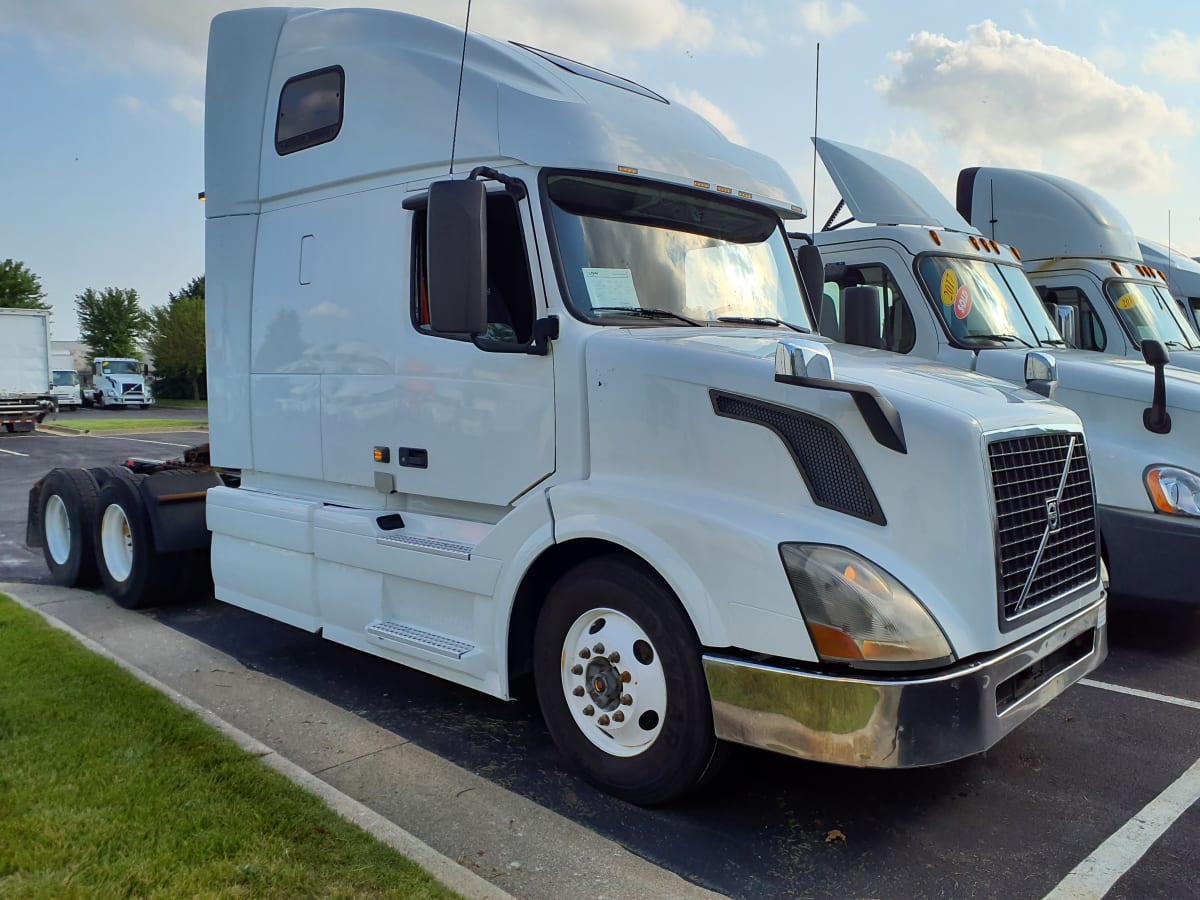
(962, 303)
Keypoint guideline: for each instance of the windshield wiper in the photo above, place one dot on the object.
(1053, 342)
(648, 312)
(762, 320)
(999, 337)
(1177, 344)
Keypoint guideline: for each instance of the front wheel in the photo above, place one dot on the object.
(620, 682)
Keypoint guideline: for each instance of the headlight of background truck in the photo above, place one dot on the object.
(858, 613)
(1174, 491)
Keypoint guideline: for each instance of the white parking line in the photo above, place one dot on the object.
(13, 453)
(1145, 695)
(117, 437)
(1096, 875)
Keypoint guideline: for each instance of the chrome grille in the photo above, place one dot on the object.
(1046, 519)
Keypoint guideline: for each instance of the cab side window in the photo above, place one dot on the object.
(510, 301)
(896, 329)
(1091, 332)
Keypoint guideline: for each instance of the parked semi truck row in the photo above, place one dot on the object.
(938, 289)
(513, 374)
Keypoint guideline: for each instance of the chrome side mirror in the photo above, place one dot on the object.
(1041, 373)
(1064, 318)
(803, 359)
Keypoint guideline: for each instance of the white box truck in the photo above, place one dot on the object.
(940, 290)
(65, 379)
(26, 397)
(118, 382)
(1079, 252)
(545, 399)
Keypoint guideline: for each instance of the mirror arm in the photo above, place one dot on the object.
(514, 186)
(1156, 418)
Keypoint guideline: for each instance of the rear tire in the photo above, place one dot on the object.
(66, 508)
(639, 725)
(132, 572)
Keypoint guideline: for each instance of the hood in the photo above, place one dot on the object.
(1188, 360)
(1093, 373)
(1044, 216)
(744, 360)
(885, 191)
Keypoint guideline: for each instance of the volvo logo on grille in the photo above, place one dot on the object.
(1053, 520)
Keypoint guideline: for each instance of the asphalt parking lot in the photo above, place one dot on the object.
(1054, 798)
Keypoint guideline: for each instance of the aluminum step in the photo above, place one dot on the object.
(427, 545)
(411, 636)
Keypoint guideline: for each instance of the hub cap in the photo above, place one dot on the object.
(613, 682)
(57, 525)
(116, 542)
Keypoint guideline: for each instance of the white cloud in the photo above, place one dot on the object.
(1005, 99)
(821, 18)
(190, 108)
(131, 103)
(1109, 58)
(169, 38)
(1029, 19)
(1175, 57)
(698, 103)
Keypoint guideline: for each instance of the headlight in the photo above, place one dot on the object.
(857, 612)
(1174, 491)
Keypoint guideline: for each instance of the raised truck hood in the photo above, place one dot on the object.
(657, 428)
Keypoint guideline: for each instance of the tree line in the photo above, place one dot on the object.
(112, 322)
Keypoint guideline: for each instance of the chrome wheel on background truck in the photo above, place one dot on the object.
(620, 682)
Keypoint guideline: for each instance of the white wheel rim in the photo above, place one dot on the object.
(613, 682)
(57, 525)
(116, 542)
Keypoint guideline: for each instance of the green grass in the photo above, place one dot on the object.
(107, 789)
(125, 424)
(180, 404)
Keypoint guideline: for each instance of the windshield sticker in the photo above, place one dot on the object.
(949, 287)
(610, 287)
(1126, 301)
(962, 302)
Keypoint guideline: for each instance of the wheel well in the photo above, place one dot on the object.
(539, 578)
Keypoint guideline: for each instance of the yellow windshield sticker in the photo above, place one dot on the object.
(1126, 301)
(949, 287)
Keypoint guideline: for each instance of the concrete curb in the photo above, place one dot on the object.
(441, 867)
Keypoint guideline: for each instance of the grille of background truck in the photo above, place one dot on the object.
(1026, 473)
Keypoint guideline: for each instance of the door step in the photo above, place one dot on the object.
(427, 545)
(411, 636)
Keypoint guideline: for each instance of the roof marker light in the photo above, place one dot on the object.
(721, 189)
(974, 242)
(628, 170)
(701, 184)
(745, 195)
(1115, 267)
(1162, 275)
(1016, 253)
(995, 247)
(937, 239)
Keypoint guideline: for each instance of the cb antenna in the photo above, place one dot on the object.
(816, 108)
(462, 64)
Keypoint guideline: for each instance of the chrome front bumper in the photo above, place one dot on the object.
(903, 722)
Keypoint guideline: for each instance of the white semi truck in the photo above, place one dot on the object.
(65, 380)
(942, 291)
(1182, 274)
(118, 381)
(1079, 252)
(526, 384)
(26, 397)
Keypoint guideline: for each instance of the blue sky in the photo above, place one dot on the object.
(102, 147)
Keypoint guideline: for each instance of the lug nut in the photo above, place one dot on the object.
(578, 692)
(585, 653)
(614, 657)
(577, 669)
(626, 678)
(626, 700)
(603, 720)
(599, 648)
(587, 710)
(618, 716)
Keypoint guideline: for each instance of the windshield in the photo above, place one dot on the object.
(1146, 313)
(982, 305)
(628, 247)
(119, 367)
(65, 379)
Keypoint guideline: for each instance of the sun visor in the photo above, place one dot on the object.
(881, 190)
(1044, 216)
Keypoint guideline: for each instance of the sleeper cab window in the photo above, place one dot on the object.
(310, 110)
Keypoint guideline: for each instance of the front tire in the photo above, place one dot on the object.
(620, 682)
(67, 506)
